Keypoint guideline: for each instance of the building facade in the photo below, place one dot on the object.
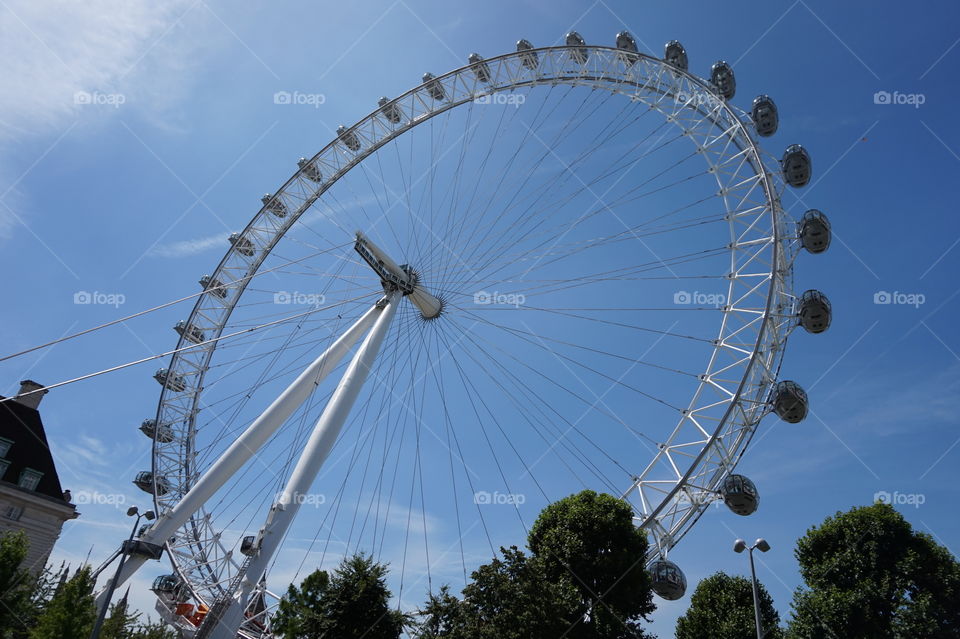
(31, 498)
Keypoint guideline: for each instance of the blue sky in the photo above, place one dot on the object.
(136, 199)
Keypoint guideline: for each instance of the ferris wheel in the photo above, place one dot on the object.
(551, 270)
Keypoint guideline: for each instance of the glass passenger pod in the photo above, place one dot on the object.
(349, 138)
(434, 88)
(764, 114)
(814, 231)
(213, 286)
(170, 380)
(161, 433)
(480, 68)
(675, 55)
(528, 57)
(815, 311)
(309, 170)
(669, 582)
(169, 588)
(145, 482)
(274, 204)
(242, 244)
(389, 110)
(790, 402)
(722, 78)
(579, 52)
(740, 494)
(796, 165)
(247, 546)
(628, 48)
(189, 332)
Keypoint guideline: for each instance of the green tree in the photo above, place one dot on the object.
(353, 603)
(589, 544)
(16, 583)
(71, 611)
(153, 630)
(584, 579)
(722, 608)
(120, 622)
(869, 575)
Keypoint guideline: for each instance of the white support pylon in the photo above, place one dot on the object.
(247, 444)
(315, 452)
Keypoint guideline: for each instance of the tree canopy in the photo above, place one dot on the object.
(869, 574)
(722, 608)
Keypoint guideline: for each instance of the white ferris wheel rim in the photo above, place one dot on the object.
(666, 506)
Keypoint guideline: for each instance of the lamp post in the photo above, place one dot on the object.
(126, 549)
(761, 545)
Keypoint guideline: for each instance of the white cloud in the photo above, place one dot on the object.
(186, 248)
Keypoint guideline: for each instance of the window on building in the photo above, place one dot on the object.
(13, 512)
(4, 465)
(5, 445)
(29, 478)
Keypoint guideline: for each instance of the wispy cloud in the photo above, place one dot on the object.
(185, 248)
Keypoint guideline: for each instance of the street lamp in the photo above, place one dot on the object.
(129, 546)
(761, 545)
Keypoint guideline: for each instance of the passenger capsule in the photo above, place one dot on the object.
(434, 88)
(628, 48)
(170, 380)
(815, 312)
(814, 231)
(480, 68)
(167, 586)
(213, 286)
(389, 110)
(722, 78)
(247, 546)
(242, 244)
(349, 138)
(189, 332)
(764, 115)
(528, 57)
(145, 481)
(790, 402)
(579, 52)
(740, 494)
(675, 55)
(274, 204)
(669, 581)
(161, 433)
(310, 171)
(796, 165)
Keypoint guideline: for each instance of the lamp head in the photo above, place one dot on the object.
(739, 545)
(761, 545)
(150, 515)
(132, 510)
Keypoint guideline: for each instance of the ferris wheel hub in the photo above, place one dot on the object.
(395, 277)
